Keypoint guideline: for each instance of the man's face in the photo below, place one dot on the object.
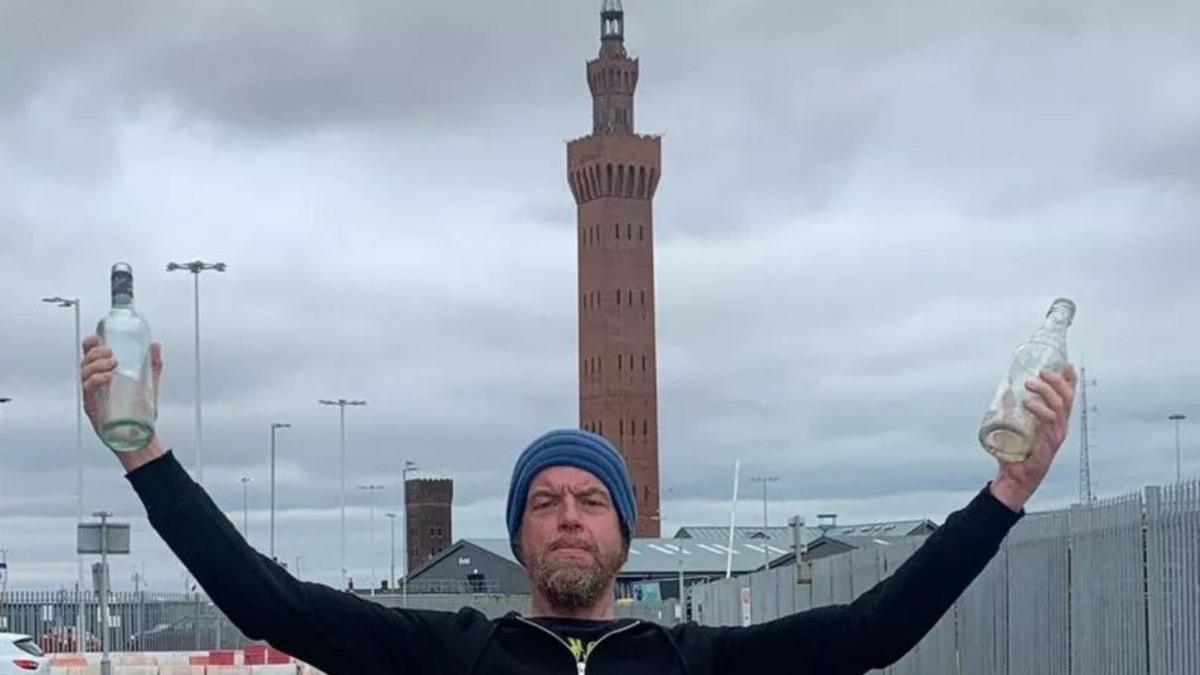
(570, 541)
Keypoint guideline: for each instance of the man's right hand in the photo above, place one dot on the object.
(96, 371)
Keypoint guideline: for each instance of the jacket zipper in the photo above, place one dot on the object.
(580, 664)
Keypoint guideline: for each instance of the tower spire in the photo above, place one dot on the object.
(612, 28)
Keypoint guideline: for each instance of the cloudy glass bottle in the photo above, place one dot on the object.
(1008, 427)
(127, 404)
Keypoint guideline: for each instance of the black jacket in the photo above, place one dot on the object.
(341, 633)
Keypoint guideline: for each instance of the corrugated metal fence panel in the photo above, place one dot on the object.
(843, 579)
(803, 593)
(787, 590)
(822, 582)
(982, 621)
(663, 613)
(764, 596)
(1173, 578)
(935, 654)
(490, 605)
(865, 570)
(1038, 597)
(1108, 611)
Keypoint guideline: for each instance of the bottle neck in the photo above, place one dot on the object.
(122, 290)
(1059, 319)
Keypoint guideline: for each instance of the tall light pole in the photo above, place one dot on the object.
(764, 480)
(196, 267)
(341, 403)
(246, 507)
(3, 400)
(408, 466)
(274, 426)
(73, 303)
(371, 490)
(392, 577)
(1177, 418)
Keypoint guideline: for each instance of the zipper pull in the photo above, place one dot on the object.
(581, 666)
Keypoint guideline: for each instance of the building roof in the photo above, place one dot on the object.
(498, 547)
(650, 555)
(865, 542)
(868, 541)
(663, 555)
(783, 535)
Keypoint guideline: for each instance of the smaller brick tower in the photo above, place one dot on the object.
(427, 508)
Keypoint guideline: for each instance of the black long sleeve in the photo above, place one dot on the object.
(884, 623)
(332, 630)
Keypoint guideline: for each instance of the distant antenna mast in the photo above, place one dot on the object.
(1085, 469)
(737, 465)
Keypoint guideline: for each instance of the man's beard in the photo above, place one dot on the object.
(574, 583)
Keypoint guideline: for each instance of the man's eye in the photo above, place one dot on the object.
(538, 506)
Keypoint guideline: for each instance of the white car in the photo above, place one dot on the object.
(20, 655)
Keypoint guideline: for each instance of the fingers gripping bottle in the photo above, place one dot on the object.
(128, 407)
(1008, 427)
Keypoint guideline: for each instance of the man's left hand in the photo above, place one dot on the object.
(1050, 402)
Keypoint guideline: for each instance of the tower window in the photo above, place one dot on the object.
(643, 296)
(641, 232)
(630, 296)
(628, 231)
(643, 427)
(618, 361)
(633, 427)
(616, 230)
(618, 296)
(622, 430)
(643, 361)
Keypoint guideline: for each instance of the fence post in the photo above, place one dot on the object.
(1156, 645)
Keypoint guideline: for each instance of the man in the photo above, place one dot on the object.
(570, 515)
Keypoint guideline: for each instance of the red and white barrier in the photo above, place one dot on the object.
(255, 660)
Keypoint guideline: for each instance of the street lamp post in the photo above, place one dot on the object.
(341, 403)
(392, 576)
(274, 426)
(196, 267)
(1177, 418)
(73, 303)
(764, 480)
(246, 507)
(408, 466)
(3, 400)
(371, 490)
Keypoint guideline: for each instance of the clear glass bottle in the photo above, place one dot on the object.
(1008, 428)
(127, 404)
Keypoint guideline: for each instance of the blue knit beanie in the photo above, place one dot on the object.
(582, 450)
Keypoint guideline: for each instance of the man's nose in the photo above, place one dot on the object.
(569, 514)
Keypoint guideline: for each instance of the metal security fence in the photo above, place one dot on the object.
(1173, 578)
(1038, 595)
(1107, 588)
(1108, 600)
(137, 621)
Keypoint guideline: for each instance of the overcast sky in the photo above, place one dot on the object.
(865, 206)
